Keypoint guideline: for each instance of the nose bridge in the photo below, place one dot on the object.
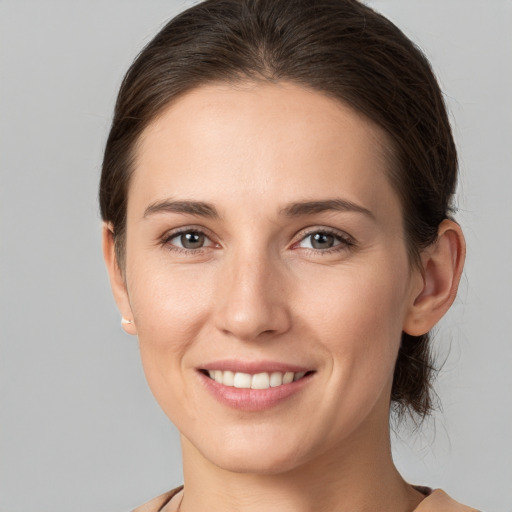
(251, 298)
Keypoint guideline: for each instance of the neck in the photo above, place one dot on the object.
(358, 475)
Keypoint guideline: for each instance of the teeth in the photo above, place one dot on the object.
(288, 377)
(228, 378)
(262, 380)
(276, 379)
(242, 380)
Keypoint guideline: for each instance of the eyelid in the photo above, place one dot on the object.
(345, 239)
(173, 233)
(324, 229)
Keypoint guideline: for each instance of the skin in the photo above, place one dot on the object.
(258, 289)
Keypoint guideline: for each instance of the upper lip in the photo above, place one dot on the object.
(253, 367)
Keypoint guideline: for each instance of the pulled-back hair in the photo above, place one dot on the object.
(341, 48)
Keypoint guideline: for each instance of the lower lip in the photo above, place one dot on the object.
(253, 399)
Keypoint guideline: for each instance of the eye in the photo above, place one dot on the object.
(189, 240)
(323, 240)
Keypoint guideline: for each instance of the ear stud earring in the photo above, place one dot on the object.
(126, 321)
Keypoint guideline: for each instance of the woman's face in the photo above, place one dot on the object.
(263, 237)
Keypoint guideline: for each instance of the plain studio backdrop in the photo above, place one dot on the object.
(79, 428)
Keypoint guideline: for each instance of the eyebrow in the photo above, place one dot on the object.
(198, 208)
(297, 209)
(312, 207)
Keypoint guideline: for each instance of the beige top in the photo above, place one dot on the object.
(437, 501)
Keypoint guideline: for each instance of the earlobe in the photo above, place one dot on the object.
(117, 281)
(442, 264)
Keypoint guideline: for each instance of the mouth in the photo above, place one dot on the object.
(261, 380)
(255, 385)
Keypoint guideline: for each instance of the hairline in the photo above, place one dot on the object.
(388, 147)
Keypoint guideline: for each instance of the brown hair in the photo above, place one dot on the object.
(339, 47)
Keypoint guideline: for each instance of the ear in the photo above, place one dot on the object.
(442, 265)
(117, 281)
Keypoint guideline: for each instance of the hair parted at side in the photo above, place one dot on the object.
(339, 47)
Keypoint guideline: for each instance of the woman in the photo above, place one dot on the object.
(276, 196)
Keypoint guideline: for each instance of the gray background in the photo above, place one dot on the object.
(79, 429)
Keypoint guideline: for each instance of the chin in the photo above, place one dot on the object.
(257, 464)
(261, 454)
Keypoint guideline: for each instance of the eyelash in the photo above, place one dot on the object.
(346, 242)
(183, 250)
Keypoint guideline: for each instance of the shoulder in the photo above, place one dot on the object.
(157, 504)
(439, 501)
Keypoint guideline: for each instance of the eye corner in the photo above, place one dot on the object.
(175, 240)
(335, 240)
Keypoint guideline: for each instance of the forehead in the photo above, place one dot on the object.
(267, 143)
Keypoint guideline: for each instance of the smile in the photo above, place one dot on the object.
(254, 386)
(263, 380)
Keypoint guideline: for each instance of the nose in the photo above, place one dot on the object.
(252, 299)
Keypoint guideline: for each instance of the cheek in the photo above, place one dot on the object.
(357, 321)
(168, 303)
(170, 307)
(358, 316)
